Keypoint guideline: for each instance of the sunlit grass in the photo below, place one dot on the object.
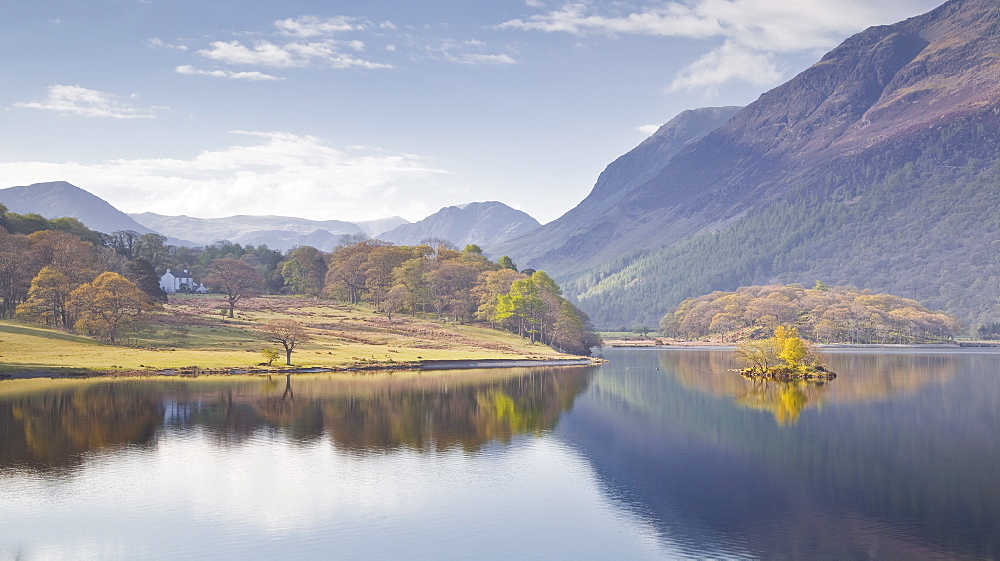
(192, 333)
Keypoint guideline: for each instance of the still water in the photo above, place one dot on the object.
(655, 455)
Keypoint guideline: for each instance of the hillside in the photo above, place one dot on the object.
(484, 224)
(574, 239)
(875, 167)
(57, 199)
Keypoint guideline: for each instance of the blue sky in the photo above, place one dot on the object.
(360, 110)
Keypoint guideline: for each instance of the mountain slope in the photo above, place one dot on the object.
(59, 198)
(860, 169)
(485, 224)
(567, 243)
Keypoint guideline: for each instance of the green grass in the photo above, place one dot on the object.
(191, 332)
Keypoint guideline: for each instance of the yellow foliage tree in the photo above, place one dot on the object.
(108, 305)
(47, 299)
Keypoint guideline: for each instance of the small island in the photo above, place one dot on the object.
(783, 357)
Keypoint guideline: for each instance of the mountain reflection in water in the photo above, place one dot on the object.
(896, 458)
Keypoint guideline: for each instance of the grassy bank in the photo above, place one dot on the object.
(191, 332)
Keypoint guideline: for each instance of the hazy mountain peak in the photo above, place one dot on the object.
(483, 223)
(56, 199)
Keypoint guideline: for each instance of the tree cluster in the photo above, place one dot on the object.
(59, 280)
(823, 314)
(461, 286)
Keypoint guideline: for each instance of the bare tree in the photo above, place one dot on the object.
(286, 332)
(236, 279)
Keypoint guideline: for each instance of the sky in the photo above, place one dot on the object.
(354, 110)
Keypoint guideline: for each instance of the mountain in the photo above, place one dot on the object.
(59, 198)
(375, 227)
(575, 239)
(277, 232)
(878, 166)
(484, 224)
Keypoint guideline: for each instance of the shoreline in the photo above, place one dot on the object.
(716, 345)
(195, 372)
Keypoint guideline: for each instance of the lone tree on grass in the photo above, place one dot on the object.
(286, 332)
(236, 279)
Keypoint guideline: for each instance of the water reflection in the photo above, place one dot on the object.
(896, 458)
(654, 455)
(863, 377)
(783, 399)
(54, 428)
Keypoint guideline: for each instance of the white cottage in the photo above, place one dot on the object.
(171, 283)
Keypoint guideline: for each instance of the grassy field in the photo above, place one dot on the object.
(191, 332)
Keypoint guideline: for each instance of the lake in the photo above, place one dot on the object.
(659, 454)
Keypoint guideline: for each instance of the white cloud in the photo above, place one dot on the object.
(289, 55)
(82, 101)
(273, 173)
(312, 26)
(252, 76)
(724, 64)
(648, 130)
(750, 29)
(454, 51)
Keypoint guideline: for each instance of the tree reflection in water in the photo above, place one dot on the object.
(48, 429)
(876, 376)
(784, 399)
(52, 430)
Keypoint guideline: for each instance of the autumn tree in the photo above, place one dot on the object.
(411, 278)
(236, 279)
(791, 348)
(15, 274)
(108, 305)
(304, 270)
(489, 287)
(345, 276)
(758, 354)
(394, 300)
(47, 299)
(286, 332)
(71, 255)
(379, 267)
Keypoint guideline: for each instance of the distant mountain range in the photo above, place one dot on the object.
(484, 223)
(877, 167)
(277, 232)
